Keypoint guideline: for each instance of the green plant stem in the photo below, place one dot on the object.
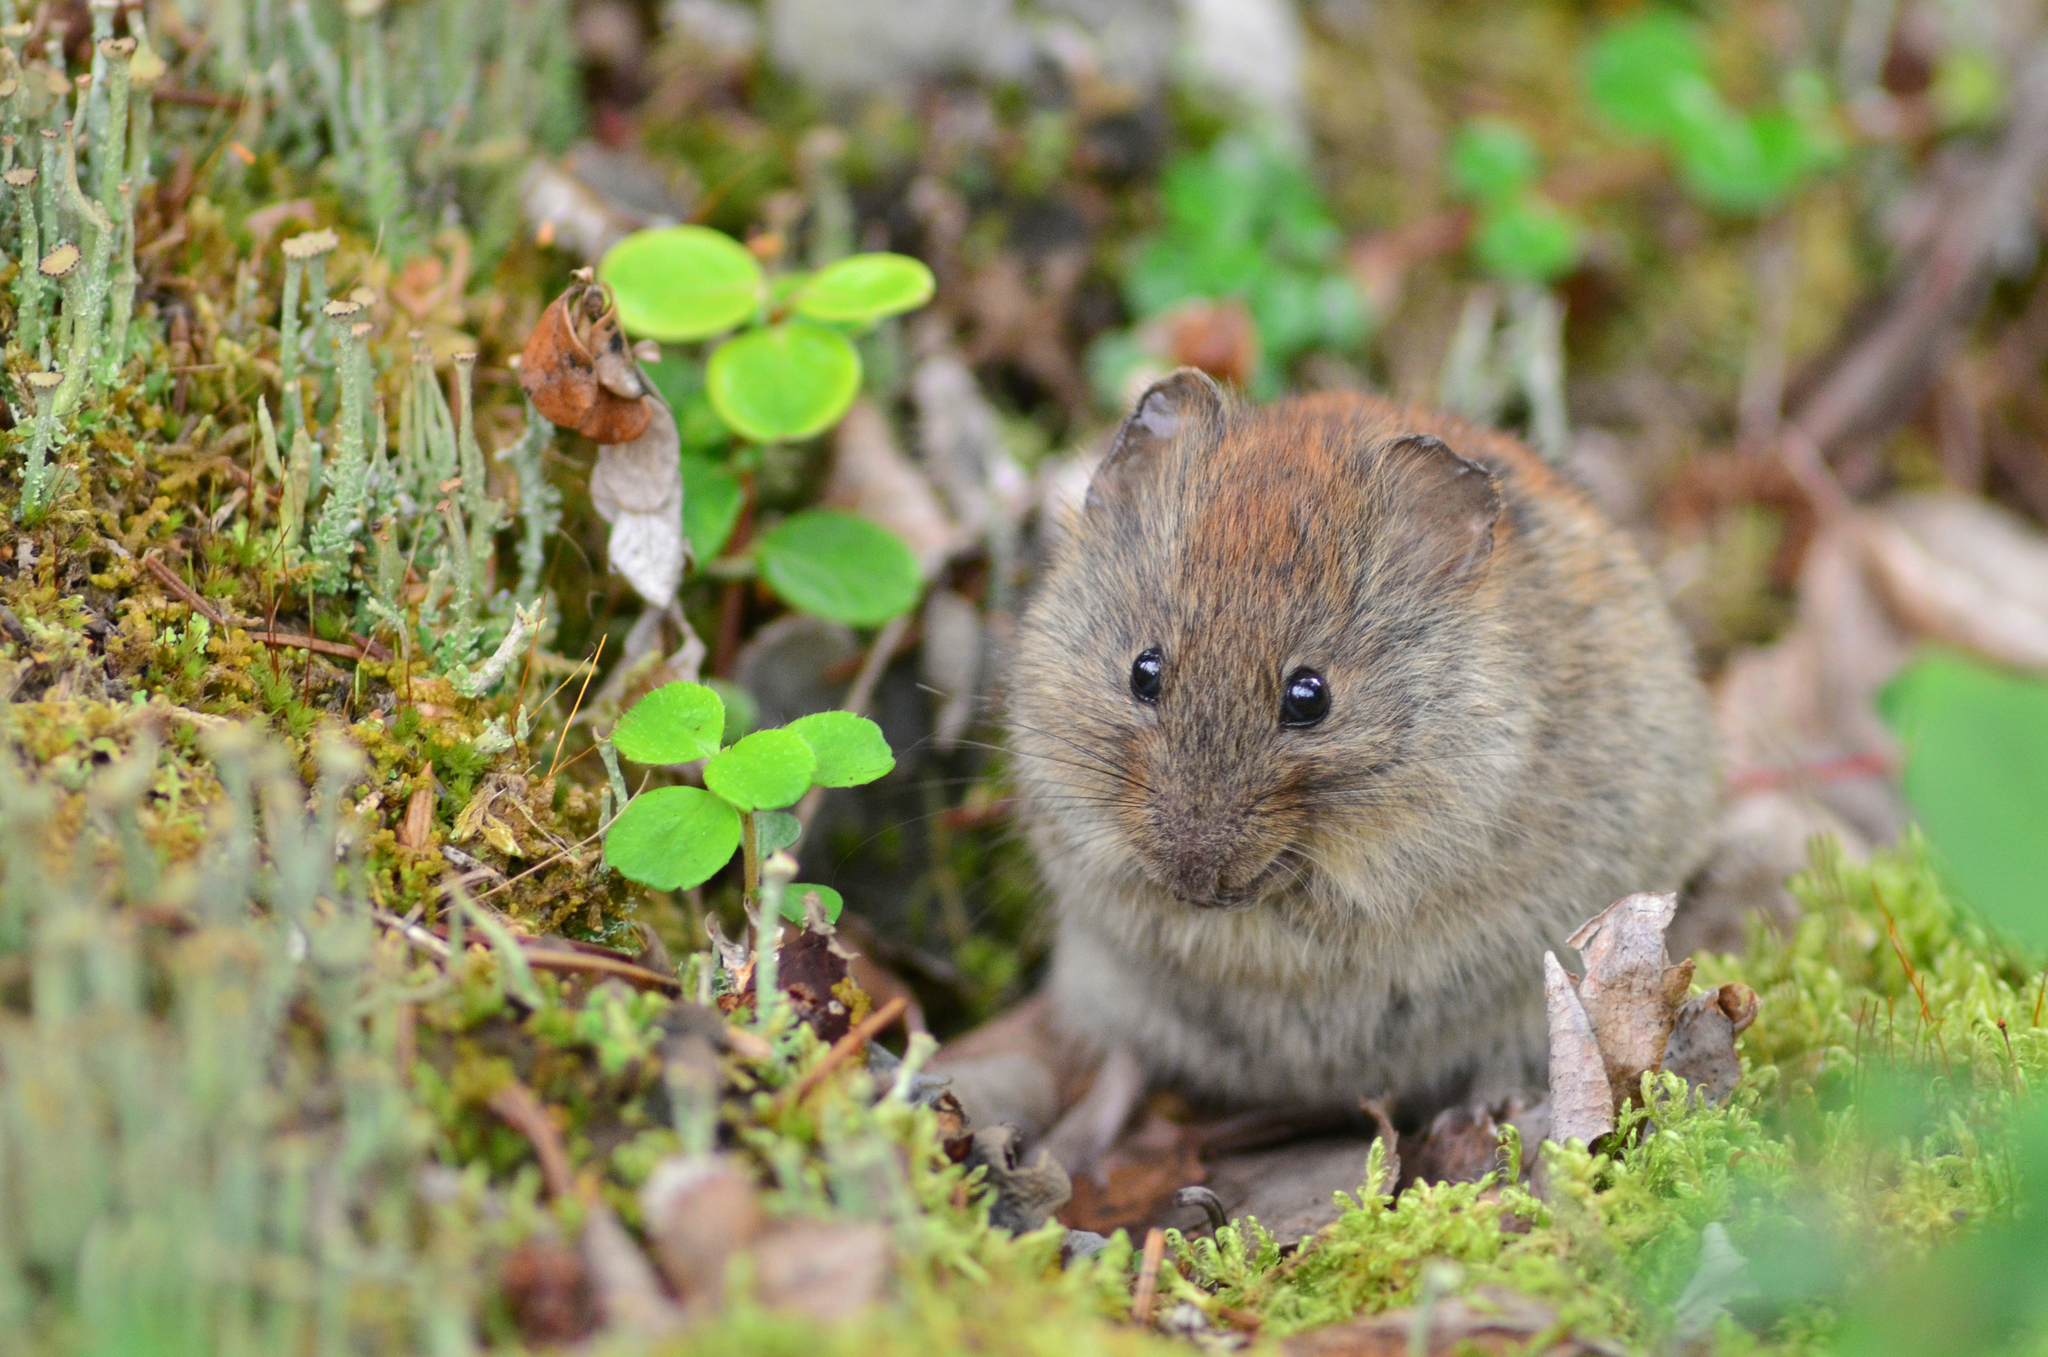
(288, 345)
(383, 176)
(87, 300)
(540, 503)
(750, 857)
(38, 483)
(29, 284)
(341, 515)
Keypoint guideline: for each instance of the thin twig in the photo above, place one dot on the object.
(283, 640)
(515, 1104)
(561, 739)
(843, 1049)
(546, 960)
(1148, 1277)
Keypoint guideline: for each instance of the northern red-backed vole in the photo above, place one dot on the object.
(1330, 717)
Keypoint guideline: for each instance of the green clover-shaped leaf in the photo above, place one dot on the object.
(840, 566)
(793, 900)
(787, 381)
(865, 287)
(676, 723)
(677, 283)
(768, 769)
(672, 838)
(850, 749)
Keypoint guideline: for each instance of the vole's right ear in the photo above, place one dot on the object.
(1187, 398)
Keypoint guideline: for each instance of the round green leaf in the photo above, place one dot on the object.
(711, 504)
(672, 838)
(1528, 240)
(787, 381)
(676, 723)
(1976, 776)
(840, 566)
(1492, 159)
(767, 769)
(775, 830)
(850, 749)
(677, 283)
(866, 287)
(829, 901)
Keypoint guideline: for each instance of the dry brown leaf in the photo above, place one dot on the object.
(578, 369)
(1488, 1321)
(637, 487)
(548, 1289)
(958, 438)
(419, 817)
(1291, 1189)
(950, 662)
(1630, 994)
(826, 1271)
(1702, 1045)
(699, 1211)
(1581, 1100)
(1963, 572)
(872, 477)
(1135, 1181)
(629, 1296)
(1026, 1193)
(1460, 1145)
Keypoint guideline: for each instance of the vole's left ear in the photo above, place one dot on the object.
(1184, 401)
(1441, 509)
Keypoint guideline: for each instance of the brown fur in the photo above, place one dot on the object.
(1515, 739)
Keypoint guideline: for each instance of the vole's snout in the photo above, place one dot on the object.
(1203, 855)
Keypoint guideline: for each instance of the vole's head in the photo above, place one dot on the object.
(1256, 649)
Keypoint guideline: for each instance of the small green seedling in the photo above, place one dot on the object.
(672, 838)
(1520, 236)
(791, 372)
(1648, 77)
(1245, 221)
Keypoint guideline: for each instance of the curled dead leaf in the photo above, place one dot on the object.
(579, 370)
(1581, 1099)
(637, 487)
(1630, 995)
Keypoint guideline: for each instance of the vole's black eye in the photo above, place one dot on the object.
(1145, 672)
(1304, 699)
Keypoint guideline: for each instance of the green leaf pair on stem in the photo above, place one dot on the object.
(1520, 234)
(1648, 77)
(672, 838)
(791, 374)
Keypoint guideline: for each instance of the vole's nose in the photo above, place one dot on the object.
(1192, 849)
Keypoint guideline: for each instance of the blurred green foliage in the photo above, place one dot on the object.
(1244, 220)
(1976, 776)
(1648, 76)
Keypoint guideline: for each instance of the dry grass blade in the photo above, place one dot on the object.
(844, 1049)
